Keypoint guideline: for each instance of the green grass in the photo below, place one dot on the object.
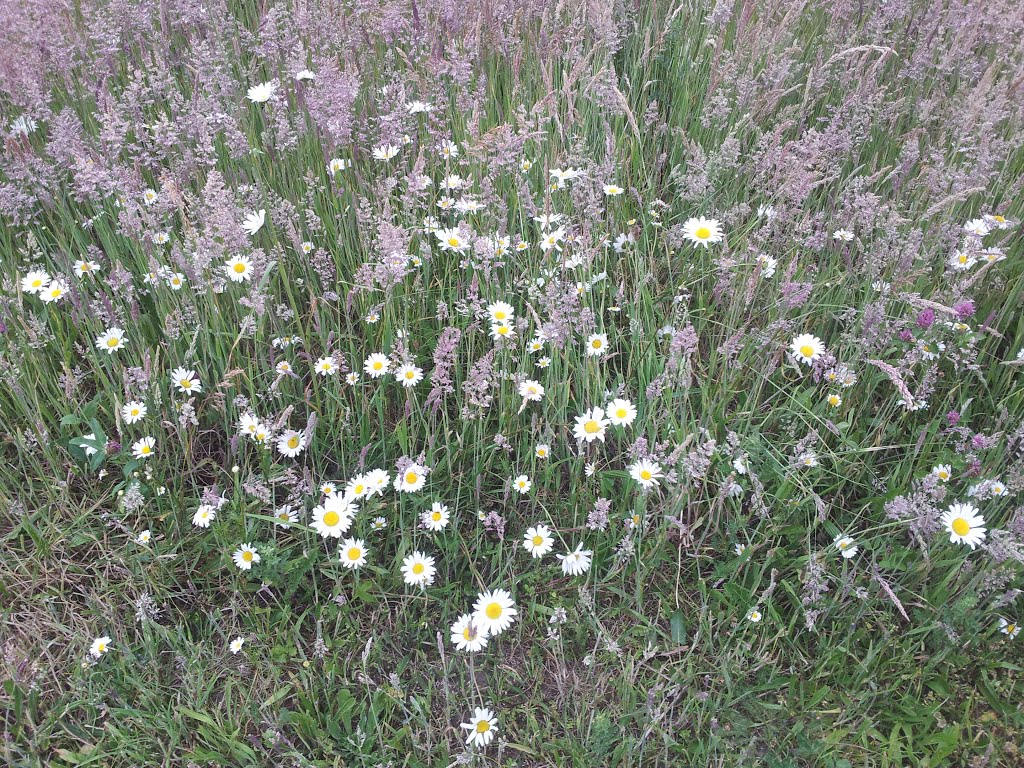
(903, 663)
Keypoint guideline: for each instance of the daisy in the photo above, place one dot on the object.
(304, 74)
(161, 238)
(1009, 628)
(418, 570)
(286, 517)
(964, 525)
(379, 523)
(500, 312)
(100, 646)
(378, 480)
(847, 547)
(481, 726)
(754, 615)
(449, 150)
(552, 240)
(376, 365)
(417, 107)
(701, 231)
(807, 459)
(591, 425)
(494, 611)
(357, 487)
(144, 448)
(262, 93)
(254, 221)
(246, 557)
(236, 645)
(175, 281)
(502, 331)
(467, 635)
(411, 479)
(538, 541)
(597, 344)
(943, 471)
(611, 190)
(35, 282)
(834, 400)
(352, 378)
(353, 553)
(531, 390)
(337, 164)
(83, 267)
(409, 374)
(767, 264)
(326, 366)
(385, 152)
(542, 451)
(646, 472)
(204, 516)
(111, 340)
(977, 227)
(283, 368)
(144, 537)
(291, 443)
(961, 261)
(133, 412)
(238, 269)
(806, 348)
(186, 381)
(333, 517)
(522, 484)
(621, 412)
(149, 197)
(436, 518)
(451, 240)
(843, 235)
(996, 488)
(576, 562)
(53, 292)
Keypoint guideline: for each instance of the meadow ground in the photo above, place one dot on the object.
(516, 383)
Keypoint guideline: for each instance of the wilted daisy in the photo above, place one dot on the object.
(538, 540)
(111, 340)
(291, 443)
(144, 448)
(977, 227)
(385, 152)
(376, 365)
(262, 93)
(467, 635)
(254, 221)
(334, 517)
(702, 231)
(806, 348)
(767, 264)
(847, 547)
(591, 426)
(186, 381)
(436, 518)
(754, 615)
(133, 412)
(964, 525)
(646, 472)
(337, 164)
(246, 557)
(409, 375)
(411, 479)
(418, 570)
(495, 611)
(236, 645)
(522, 484)
(943, 472)
(100, 646)
(238, 269)
(576, 562)
(352, 553)
(1009, 628)
(621, 412)
(597, 344)
(205, 514)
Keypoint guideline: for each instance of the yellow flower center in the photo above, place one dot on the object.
(435, 516)
(146, 449)
(186, 383)
(113, 342)
(332, 518)
(645, 474)
(247, 556)
(359, 489)
(411, 478)
(410, 374)
(378, 365)
(493, 611)
(102, 647)
(483, 726)
(417, 568)
(354, 553)
(592, 427)
(807, 350)
(499, 315)
(453, 242)
(538, 540)
(596, 343)
(468, 634)
(621, 413)
(702, 233)
(239, 267)
(961, 527)
(943, 475)
(293, 441)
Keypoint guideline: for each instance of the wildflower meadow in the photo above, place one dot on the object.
(513, 383)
